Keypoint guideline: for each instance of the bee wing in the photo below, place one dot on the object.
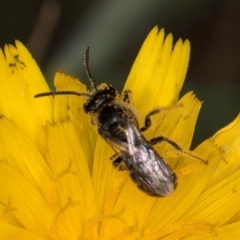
(137, 145)
(115, 143)
(146, 167)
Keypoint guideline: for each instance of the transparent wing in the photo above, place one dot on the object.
(146, 167)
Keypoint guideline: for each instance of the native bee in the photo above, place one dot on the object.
(118, 126)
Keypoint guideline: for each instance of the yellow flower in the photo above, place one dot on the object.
(56, 179)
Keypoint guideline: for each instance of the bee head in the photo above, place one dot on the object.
(103, 94)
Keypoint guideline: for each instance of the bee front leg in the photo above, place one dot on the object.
(126, 96)
(147, 121)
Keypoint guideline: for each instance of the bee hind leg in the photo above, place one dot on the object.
(160, 139)
(118, 161)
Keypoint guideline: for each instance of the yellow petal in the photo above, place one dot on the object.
(178, 123)
(229, 232)
(65, 103)
(158, 72)
(103, 174)
(72, 174)
(228, 138)
(20, 80)
(70, 107)
(10, 232)
(31, 209)
(18, 151)
(188, 190)
(219, 203)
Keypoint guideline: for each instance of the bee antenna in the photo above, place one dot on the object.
(87, 66)
(44, 94)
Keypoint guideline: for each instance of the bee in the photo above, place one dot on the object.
(118, 126)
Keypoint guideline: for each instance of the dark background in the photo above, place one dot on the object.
(57, 33)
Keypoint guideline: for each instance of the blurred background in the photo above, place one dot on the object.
(57, 33)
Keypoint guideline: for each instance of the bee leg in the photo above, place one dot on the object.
(147, 121)
(126, 96)
(117, 161)
(160, 139)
